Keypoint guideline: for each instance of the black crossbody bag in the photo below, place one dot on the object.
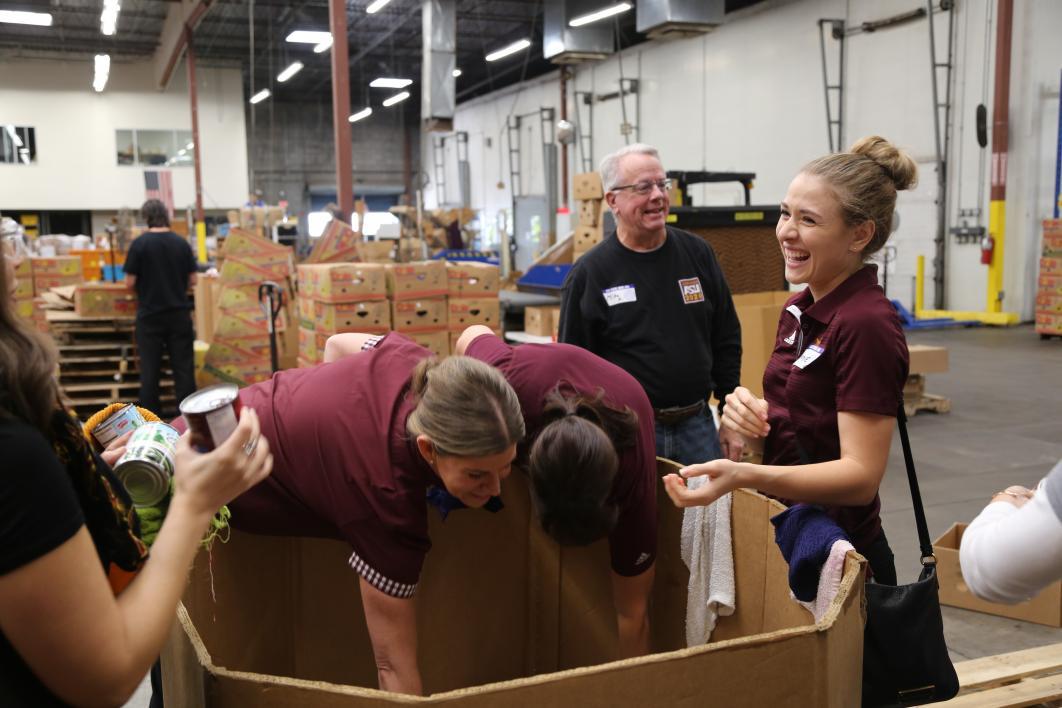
(905, 658)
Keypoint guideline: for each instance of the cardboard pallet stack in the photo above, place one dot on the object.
(1049, 293)
(104, 300)
(239, 350)
(44, 273)
(924, 359)
(24, 289)
(473, 294)
(589, 195)
(338, 244)
(339, 297)
(419, 307)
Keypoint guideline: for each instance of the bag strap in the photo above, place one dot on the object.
(924, 543)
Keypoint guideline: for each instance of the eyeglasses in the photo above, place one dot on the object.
(646, 187)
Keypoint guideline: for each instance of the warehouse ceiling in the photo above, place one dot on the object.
(387, 43)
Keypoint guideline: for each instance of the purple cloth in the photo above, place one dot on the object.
(805, 534)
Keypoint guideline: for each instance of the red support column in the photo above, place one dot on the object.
(193, 99)
(341, 107)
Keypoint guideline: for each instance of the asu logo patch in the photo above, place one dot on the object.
(691, 290)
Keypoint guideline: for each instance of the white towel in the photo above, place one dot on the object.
(708, 552)
(829, 579)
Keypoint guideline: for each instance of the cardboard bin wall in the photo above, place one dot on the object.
(505, 617)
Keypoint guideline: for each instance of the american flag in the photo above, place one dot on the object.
(158, 184)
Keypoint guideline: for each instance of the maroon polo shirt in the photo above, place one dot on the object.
(343, 465)
(533, 370)
(846, 352)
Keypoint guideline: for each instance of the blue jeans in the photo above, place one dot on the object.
(690, 441)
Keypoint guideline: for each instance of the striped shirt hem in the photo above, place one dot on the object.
(371, 342)
(377, 580)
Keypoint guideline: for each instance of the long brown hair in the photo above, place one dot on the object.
(573, 462)
(465, 406)
(28, 387)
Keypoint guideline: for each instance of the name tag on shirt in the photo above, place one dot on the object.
(619, 295)
(810, 354)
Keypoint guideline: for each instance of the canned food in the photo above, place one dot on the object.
(212, 414)
(117, 424)
(147, 465)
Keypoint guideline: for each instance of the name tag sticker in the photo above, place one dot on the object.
(619, 295)
(810, 354)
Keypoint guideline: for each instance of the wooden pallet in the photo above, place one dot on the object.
(916, 399)
(1030, 677)
(68, 329)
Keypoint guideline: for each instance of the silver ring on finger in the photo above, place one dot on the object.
(250, 445)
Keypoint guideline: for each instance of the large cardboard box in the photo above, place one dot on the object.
(1045, 608)
(421, 279)
(541, 320)
(590, 212)
(44, 283)
(466, 312)
(586, 237)
(56, 265)
(342, 282)
(372, 316)
(104, 300)
(587, 185)
(927, 359)
(507, 618)
(759, 314)
(376, 251)
(23, 288)
(472, 279)
(438, 342)
(429, 314)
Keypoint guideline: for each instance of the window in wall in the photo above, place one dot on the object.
(375, 219)
(18, 144)
(316, 221)
(155, 147)
(185, 146)
(125, 143)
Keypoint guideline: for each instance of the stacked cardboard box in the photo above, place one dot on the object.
(589, 196)
(1049, 293)
(338, 244)
(240, 348)
(339, 297)
(24, 290)
(542, 321)
(55, 272)
(104, 300)
(473, 292)
(376, 251)
(419, 307)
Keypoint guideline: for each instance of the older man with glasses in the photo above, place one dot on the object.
(652, 299)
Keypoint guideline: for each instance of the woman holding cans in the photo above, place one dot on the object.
(362, 446)
(67, 634)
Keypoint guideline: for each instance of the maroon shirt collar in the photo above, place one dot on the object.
(822, 311)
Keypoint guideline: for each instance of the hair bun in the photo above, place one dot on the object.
(897, 164)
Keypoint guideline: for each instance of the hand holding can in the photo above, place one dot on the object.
(211, 414)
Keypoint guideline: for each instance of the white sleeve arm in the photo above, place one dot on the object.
(1009, 554)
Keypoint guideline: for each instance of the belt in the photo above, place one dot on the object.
(677, 414)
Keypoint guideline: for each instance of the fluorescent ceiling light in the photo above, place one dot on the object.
(102, 71)
(14, 136)
(617, 9)
(18, 17)
(511, 49)
(363, 113)
(456, 72)
(323, 46)
(109, 17)
(293, 68)
(397, 98)
(189, 146)
(261, 96)
(308, 37)
(390, 83)
(182, 151)
(376, 6)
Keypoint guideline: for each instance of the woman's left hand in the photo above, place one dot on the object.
(115, 449)
(722, 477)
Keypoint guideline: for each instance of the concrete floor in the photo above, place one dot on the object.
(1005, 427)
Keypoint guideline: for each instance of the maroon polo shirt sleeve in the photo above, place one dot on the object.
(632, 544)
(490, 350)
(871, 364)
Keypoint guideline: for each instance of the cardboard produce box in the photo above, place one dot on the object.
(541, 320)
(24, 288)
(590, 212)
(44, 283)
(586, 237)
(1045, 608)
(927, 359)
(429, 314)
(56, 266)
(342, 282)
(472, 279)
(24, 269)
(373, 316)
(587, 185)
(421, 279)
(507, 618)
(312, 345)
(759, 314)
(376, 251)
(438, 342)
(466, 312)
(24, 308)
(104, 300)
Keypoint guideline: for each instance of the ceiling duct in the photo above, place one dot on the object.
(562, 44)
(676, 19)
(438, 88)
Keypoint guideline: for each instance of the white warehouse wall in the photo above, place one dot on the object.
(76, 165)
(749, 97)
